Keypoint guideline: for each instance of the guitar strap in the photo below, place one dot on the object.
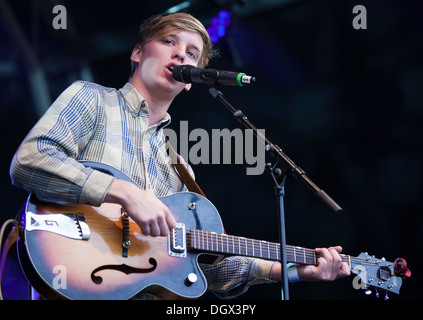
(183, 172)
(10, 241)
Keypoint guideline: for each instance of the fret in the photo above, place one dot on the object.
(239, 246)
(227, 244)
(233, 245)
(216, 244)
(261, 253)
(266, 246)
(278, 251)
(269, 253)
(221, 239)
(211, 241)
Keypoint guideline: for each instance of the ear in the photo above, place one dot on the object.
(136, 54)
(188, 86)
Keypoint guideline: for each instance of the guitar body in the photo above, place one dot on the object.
(59, 266)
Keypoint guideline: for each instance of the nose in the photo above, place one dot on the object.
(179, 53)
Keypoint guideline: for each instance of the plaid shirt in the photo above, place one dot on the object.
(94, 123)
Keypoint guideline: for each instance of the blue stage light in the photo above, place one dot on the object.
(218, 25)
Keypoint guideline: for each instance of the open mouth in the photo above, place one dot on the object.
(170, 68)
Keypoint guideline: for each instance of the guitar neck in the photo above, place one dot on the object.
(206, 241)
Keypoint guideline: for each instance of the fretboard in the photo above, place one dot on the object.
(232, 245)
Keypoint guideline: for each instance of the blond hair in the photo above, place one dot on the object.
(158, 25)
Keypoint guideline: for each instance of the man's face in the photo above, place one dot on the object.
(155, 62)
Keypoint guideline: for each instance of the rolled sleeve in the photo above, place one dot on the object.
(234, 275)
(96, 187)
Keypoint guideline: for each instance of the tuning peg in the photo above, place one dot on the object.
(377, 294)
(386, 296)
(367, 292)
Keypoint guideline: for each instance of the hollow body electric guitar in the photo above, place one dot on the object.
(86, 252)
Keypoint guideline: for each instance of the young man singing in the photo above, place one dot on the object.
(124, 129)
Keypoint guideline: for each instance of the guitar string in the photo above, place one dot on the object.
(210, 240)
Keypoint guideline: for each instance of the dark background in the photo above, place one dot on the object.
(346, 105)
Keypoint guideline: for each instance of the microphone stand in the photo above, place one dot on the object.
(289, 167)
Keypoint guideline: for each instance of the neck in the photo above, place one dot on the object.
(232, 245)
(155, 113)
(158, 104)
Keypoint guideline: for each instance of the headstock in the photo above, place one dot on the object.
(379, 274)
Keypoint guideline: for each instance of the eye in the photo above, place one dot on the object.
(168, 41)
(191, 54)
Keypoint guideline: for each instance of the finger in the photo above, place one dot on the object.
(336, 248)
(337, 265)
(145, 228)
(170, 219)
(344, 270)
(335, 258)
(163, 226)
(325, 255)
(329, 264)
(154, 229)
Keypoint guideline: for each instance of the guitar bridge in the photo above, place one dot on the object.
(177, 241)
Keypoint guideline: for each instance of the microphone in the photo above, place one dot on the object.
(211, 77)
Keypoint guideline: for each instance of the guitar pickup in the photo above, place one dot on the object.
(177, 241)
(71, 225)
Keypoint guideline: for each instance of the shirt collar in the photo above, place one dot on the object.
(137, 102)
(134, 99)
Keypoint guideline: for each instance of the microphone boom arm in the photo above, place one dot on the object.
(276, 151)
